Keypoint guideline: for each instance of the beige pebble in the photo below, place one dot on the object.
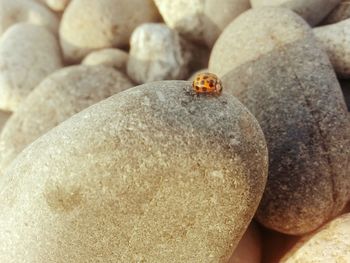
(248, 249)
(89, 25)
(16, 11)
(335, 39)
(59, 96)
(110, 57)
(313, 11)
(152, 174)
(329, 244)
(200, 20)
(157, 53)
(270, 59)
(57, 5)
(28, 53)
(341, 12)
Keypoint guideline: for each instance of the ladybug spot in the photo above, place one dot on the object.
(205, 77)
(204, 89)
(211, 84)
(198, 78)
(202, 82)
(197, 88)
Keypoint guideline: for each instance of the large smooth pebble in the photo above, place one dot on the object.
(89, 25)
(335, 39)
(313, 11)
(29, 11)
(59, 96)
(201, 20)
(28, 53)
(270, 59)
(152, 174)
(110, 57)
(157, 53)
(56, 5)
(329, 244)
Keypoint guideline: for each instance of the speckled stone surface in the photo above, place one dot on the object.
(335, 40)
(329, 244)
(61, 95)
(293, 92)
(152, 174)
(313, 11)
(28, 53)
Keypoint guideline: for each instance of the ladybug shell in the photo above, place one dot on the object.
(207, 83)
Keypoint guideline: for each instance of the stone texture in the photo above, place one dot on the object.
(335, 40)
(341, 12)
(152, 174)
(59, 96)
(286, 80)
(313, 11)
(28, 53)
(110, 57)
(248, 249)
(29, 11)
(329, 244)
(89, 25)
(157, 53)
(201, 20)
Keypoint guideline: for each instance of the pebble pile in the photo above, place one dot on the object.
(161, 131)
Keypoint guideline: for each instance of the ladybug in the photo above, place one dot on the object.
(207, 83)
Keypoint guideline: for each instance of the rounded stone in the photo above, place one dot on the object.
(28, 11)
(57, 5)
(313, 11)
(110, 57)
(157, 53)
(341, 12)
(89, 25)
(59, 96)
(331, 243)
(200, 20)
(335, 39)
(28, 53)
(301, 110)
(152, 174)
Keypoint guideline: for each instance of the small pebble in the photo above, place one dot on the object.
(89, 25)
(110, 57)
(29, 11)
(28, 53)
(157, 53)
